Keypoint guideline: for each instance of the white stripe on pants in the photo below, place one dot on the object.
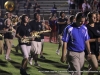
(25, 50)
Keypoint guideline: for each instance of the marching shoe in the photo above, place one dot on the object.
(42, 57)
(58, 52)
(23, 72)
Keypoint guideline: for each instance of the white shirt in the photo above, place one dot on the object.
(84, 6)
(70, 2)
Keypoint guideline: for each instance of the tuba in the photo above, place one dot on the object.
(9, 6)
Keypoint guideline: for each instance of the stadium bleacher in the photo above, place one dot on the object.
(46, 6)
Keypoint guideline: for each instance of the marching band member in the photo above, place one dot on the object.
(18, 24)
(8, 15)
(98, 22)
(1, 36)
(36, 44)
(94, 34)
(8, 37)
(24, 31)
(45, 27)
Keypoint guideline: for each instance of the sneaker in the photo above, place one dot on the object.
(30, 61)
(36, 64)
(23, 72)
(89, 67)
(13, 46)
(8, 59)
(42, 57)
(69, 70)
(58, 52)
(98, 61)
(51, 41)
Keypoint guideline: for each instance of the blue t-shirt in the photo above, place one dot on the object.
(75, 37)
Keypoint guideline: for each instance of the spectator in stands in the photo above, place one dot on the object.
(98, 6)
(72, 6)
(86, 7)
(27, 6)
(16, 7)
(34, 1)
(37, 8)
(94, 5)
(79, 3)
(50, 16)
(54, 9)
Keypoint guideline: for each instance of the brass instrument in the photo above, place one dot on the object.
(33, 35)
(11, 30)
(9, 6)
(14, 20)
(1, 36)
(28, 39)
(25, 40)
(3, 32)
(37, 33)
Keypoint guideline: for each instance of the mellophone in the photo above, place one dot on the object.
(33, 36)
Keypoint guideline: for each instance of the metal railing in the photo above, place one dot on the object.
(45, 11)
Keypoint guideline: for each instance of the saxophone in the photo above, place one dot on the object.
(28, 39)
(37, 33)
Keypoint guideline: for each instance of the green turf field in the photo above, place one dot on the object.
(50, 66)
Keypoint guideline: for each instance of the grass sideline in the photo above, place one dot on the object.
(50, 66)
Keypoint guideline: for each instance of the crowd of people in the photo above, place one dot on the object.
(78, 36)
(83, 5)
(23, 29)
